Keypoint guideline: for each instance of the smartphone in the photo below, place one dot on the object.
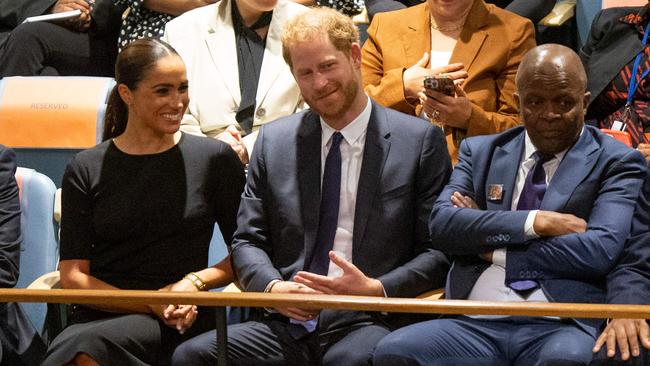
(439, 83)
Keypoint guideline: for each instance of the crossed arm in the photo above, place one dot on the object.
(578, 255)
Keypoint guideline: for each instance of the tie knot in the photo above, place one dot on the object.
(336, 140)
(541, 157)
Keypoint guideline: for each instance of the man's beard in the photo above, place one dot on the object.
(334, 112)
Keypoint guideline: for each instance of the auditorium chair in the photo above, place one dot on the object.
(39, 250)
(46, 120)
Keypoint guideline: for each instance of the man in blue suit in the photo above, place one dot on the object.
(19, 342)
(627, 341)
(536, 213)
(336, 202)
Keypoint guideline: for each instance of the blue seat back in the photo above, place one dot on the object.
(39, 251)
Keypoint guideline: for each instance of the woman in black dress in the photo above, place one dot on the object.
(138, 213)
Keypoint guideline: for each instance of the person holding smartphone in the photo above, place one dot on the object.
(477, 45)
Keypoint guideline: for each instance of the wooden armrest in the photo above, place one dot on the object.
(562, 11)
(429, 295)
(432, 294)
(232, 287)
(47, 281)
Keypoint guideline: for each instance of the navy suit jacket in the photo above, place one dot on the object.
(405, 165)
(20, 344)
(598, 180)
(629, 282)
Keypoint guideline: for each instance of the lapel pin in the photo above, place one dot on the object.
(495, 192)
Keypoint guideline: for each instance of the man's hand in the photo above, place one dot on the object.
(351, 282)
(644, 149)
(232, 137)
(549, 223)
(413, 77)
(453, 111)
(289, 287)
(81, 23)
(461, 201)
(625, 333)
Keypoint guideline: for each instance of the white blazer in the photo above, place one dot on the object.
(205, 39)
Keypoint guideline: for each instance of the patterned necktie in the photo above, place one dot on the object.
(327, 224)
(531, 199)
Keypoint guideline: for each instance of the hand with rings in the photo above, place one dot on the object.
(232, 137)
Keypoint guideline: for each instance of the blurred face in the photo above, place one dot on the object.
(449, 9)
(552, 103)
(160, 99)
(329, 80)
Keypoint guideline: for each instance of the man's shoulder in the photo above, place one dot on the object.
(610, 147)
(287, 125)
(401, 121)
(489, 142)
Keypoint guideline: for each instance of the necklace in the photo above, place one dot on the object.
(446, 28)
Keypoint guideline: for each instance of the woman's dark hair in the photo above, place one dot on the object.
(131, 66)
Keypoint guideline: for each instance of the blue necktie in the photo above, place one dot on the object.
(329, 209)
(531, 199)
(327, 224)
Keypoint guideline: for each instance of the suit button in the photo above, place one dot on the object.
(535, 274)
(261, 112)
(488, 239)
(521, 273)
(507, 237)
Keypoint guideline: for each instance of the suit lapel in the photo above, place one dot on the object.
(272, 63)
(221, 45)
(576, 165)
(309, 180)
(374, 157)
(502, 172)
(417, 39)
(472, 36)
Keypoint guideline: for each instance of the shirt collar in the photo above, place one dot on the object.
(353, 131)
(530, 149)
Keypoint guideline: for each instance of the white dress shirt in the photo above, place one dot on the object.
(352, 146)
(491, 286)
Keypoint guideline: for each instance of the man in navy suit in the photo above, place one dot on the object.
(626, 341)
(19, 342)
(536, 213)
(336, 202)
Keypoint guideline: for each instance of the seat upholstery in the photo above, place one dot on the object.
(39, 252)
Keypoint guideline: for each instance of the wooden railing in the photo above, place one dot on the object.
(401, 305)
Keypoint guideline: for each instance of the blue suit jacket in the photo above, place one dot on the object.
(19, 342)
(405, 166)
(629, 282)
(598, 180)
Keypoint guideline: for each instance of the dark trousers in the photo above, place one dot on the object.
(469, 341)
(269, 342)
(44, 48)
(20, 344)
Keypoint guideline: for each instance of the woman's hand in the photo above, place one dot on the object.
(232, 137)
(180, 317)
(453, 111)
(413, 77)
